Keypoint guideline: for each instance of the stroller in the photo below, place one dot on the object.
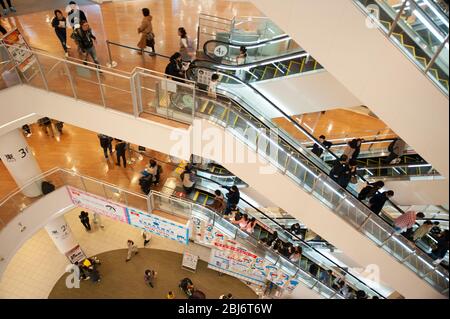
(187, 286)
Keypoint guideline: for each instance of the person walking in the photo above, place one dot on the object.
(132, 248)
(396, 149)
(146, 31)
(59, 23)
(84, 218)
(233, 198)
(75, 16)
(146, 236)
(8, 9)
(149, 277)
(377, 202)
(86, 42)
(121, 147)
(98, 220)
(324, 144)
(46, 125)
(106, 144)
(185, 44)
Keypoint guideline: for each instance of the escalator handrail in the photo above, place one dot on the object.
(275, 222)
(311, 137)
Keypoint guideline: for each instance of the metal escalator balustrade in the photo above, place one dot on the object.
(419, 30)
(203, 195)
(304, 169)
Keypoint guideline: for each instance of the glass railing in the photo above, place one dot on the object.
(419, 29)
(16, 203)
(148, 90)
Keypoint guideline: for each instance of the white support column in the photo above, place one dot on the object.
(61, 234)
(20, 161)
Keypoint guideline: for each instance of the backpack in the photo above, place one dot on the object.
(391, 146)
(47, 187)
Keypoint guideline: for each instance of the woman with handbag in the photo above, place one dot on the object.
(146, 31)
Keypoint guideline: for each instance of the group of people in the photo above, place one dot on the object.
(46, 125)
(85, 221)
(120, 148)
(88, 269)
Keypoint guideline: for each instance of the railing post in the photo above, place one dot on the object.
(42, 73)
(397, 17)
(111, 63)
(102, 94)
(134, 98)
(341, 203)
(194, 103)
(70, 80)
(435, 56)
(137, 87)
(149, 202)
(364, 223)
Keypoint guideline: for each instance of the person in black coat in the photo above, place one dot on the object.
(106, 144)
(59, 24)
(370, 190)
(377, 202)
(317, 150)
(174, 69)
(346, 175)
(233, 198)
(84, 218)
(121, 148)
(442, 246)
(340, 168)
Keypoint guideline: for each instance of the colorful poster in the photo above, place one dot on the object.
(19, 50)
(159, 226)
(98, 204)
(76, 254)
(189, 261)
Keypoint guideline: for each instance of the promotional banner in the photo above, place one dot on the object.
(189, 261)
(159, 225)
(19, 50)
(76, 254)
(98, 204)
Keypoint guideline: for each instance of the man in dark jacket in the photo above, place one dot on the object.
(376, 203)
(84, 218)
(233, 198)
(174, 68)
(316, 149)
(121, 147)
(106, 144)
(85, 40)
(340, 169)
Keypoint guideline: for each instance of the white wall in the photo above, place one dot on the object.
(419, 192)
(306, 93)
(372, 68)
(33, 218)
(281, 190)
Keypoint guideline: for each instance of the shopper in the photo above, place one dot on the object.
(377, 202)
(26, 130)
(175, 68)
(212, 86)
(121, 147)
(86, 42)
(396, 149)
(270, 239)
(436, 230)
(296, 255)
(407, 220)
(348, 175)
(146, 236)
(98, 220)
(8, 9)
(325, 277)
(439, 252)
(296, 229)
(219, 204)
(132, 248)
(186, 46)
(75, 16)
(46, 124)
(146, 30)
(317, 149)
(188, 179)
(227, 296)
(59, 127)
(371, 189)
(149, 277)
(250, 228)
(243, 222)
(423, 230)
(59, 24)
(353, 148)
(233, 198)
(240, 60)
(84, 218)
(106, 144)
(339, 170)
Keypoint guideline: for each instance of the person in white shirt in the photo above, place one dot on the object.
(212, 87)
(241, 59)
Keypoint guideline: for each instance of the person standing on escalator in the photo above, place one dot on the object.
(396, 150)
(188, 179)
(353, 148)
(240, 60)
(233, 198)
(317, 149)
(377, 202)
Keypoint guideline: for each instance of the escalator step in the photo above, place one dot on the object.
(197, 194)
(294, 67)
(206, 200)
(204, 106)
(211, 109)
(269, 73)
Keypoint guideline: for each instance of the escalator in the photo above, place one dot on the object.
(263, 62)
(312, 261)
(241, 117)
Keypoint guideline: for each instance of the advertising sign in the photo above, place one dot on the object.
(189, 261)
(76, 254)
(19, 50)
(159, 226)
(98, 204)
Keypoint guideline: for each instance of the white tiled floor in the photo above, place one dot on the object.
(37, 266)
